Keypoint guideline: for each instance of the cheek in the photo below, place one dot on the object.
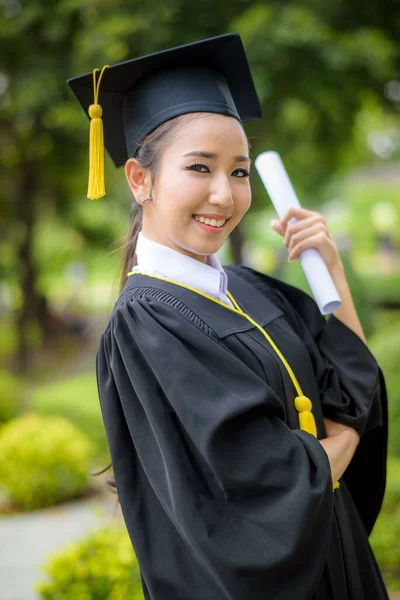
(243, 200)
(181, 185)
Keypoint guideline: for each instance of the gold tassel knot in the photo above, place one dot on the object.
(303, 406)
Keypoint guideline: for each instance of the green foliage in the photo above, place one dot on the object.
(8, 338)
(386, 534)
(44, 461)
(383, 290)
(75, 399)
(385, 346)
(9, 396)
(102, 566)
(373, 208)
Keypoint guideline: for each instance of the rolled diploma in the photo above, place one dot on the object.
(279, 187)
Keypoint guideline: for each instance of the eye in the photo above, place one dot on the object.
(245, 173)
(197, 167)
(201, 168)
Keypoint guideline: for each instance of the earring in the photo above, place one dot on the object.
(144, 198)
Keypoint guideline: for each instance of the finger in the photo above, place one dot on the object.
(293, 228)
(306, 233)
(297, 213)
(277, 226)
(316, 241)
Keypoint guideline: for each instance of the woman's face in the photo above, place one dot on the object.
(203, 174)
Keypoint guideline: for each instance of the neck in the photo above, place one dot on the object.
(170, 244)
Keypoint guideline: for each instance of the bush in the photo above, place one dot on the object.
(77, 400)
(44, 461)
(9, 395)
(386, 534)
(102, 566)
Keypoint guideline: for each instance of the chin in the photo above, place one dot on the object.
(203, 249)
(209, 247)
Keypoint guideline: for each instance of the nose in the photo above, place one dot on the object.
(222, 193)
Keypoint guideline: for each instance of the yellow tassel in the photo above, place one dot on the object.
(306, 418)
(96, 187)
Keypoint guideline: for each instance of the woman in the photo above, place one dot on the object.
(247, 434)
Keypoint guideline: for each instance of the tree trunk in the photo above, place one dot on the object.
(28, 311)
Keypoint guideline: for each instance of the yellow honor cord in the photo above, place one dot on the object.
(96, 187)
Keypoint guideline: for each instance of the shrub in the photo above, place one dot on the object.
(44, 461)
(102, 566)
(386, 534)
(9, 393)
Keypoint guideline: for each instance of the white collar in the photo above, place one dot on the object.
(157, 259)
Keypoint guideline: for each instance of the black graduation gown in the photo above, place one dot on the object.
(223, 496)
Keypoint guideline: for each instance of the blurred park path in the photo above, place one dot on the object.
(27, 540)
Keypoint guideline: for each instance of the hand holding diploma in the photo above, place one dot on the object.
(304, 231)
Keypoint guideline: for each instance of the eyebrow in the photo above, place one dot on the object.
(203, 154)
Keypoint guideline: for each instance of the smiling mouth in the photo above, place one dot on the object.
(216, 223)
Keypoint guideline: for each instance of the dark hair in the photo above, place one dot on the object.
(148, 155)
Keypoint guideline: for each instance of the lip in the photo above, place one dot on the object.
(216, 217)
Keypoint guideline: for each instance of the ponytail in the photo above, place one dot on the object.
(129, 259)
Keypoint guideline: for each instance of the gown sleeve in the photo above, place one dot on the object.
(267, 528)
(351, 387)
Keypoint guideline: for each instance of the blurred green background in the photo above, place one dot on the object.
(328, 77)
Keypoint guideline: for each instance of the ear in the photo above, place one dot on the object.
(138, 178)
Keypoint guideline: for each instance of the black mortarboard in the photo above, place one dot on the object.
(137, 95)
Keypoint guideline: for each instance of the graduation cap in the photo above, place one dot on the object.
(138, 95)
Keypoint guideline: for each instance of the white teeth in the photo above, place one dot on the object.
(212, 222)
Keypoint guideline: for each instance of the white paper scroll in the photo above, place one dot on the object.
(278, 185)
